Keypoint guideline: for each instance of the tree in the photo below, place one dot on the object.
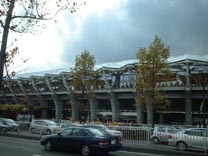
(152, 70)
(22, 16)
(84, 77)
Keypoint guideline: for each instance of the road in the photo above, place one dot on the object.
(22, 147)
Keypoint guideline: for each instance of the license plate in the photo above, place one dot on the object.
(113, 141)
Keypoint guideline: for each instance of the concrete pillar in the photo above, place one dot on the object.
(117, 81)
(75, 108)
(93, 109)
(58, 107)
(43, 102)
(161, 118)
(115, 107)
(44, 113)
(188, 99)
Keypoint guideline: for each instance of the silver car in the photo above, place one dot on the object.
(44, 127)
(161, 134)
(191, 138)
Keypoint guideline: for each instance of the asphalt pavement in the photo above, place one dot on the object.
(128, 145)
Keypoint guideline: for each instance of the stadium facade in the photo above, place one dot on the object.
(115, 93)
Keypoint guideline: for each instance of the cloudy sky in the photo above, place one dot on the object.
(114, 30)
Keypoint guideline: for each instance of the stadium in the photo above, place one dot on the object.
(50, 93)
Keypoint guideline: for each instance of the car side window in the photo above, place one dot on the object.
(86, 133)
(66, 132)
(36, 122)
(194, 133)
(204, 133)
(77, 132)
(161, 129)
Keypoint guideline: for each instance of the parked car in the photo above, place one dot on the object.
(12, 125)
(160, 134)
(191, 138)
(103, 127)
(3, 128)
(87, 140)
(44, 127)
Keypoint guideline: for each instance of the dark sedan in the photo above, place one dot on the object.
(87, 140)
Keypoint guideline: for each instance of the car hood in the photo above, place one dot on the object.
(13, 124)
(49, 136)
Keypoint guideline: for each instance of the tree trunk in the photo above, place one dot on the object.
(139, 111)
(149, 107)
(4, 41)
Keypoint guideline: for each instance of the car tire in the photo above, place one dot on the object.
(155, 140)
(48, 131)
(85, 149)
(48, 146)
(181, 146)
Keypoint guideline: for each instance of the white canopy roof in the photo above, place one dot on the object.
(118, 65)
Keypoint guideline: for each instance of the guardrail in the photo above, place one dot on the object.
(185, 139)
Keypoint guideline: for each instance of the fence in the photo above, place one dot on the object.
(181, 138)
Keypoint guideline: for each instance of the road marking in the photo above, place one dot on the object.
(136, 153)
(36, 155)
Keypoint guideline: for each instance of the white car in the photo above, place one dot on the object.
(101, 126)
(191, 138)
(161, 134)
(44, 127)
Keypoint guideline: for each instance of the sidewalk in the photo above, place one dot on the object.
(132, 146)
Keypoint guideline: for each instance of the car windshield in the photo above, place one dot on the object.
(9, 120)
(51, 123)
(99, 132)
(104, 127)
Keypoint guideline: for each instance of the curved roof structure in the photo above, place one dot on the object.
(121, 64)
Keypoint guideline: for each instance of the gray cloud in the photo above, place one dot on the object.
(181, 24)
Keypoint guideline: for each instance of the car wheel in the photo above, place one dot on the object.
(181, 146)
(48, 131)
(155, 140)
(48, 146)
(85, 150)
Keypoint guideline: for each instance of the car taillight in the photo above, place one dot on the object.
(170, 136)
(103, 142)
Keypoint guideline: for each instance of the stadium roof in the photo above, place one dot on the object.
(120, 64)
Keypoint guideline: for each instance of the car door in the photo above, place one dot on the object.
(194, 138)
(162, 134)
(65, 139)
(42, 126)
(205, 139)
(77, 137)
